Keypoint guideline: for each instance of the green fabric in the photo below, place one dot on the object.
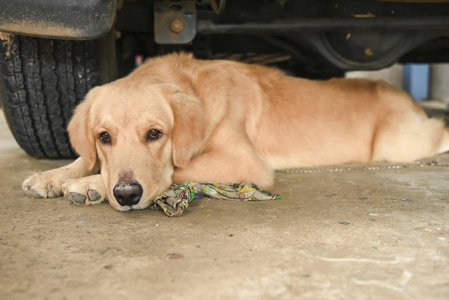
(174, 201)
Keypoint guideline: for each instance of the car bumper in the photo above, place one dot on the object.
(75, 19)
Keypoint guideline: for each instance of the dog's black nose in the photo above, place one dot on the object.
(128, 193)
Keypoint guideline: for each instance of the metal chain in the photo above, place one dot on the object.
(432, 163)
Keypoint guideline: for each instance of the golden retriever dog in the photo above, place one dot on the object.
(176, 118)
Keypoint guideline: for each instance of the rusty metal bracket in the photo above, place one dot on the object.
(174, 22)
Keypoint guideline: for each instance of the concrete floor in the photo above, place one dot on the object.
(358, 234)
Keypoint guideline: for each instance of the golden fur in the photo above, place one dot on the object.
(226, 121)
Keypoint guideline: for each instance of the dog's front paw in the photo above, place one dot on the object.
(43, 185)
(85, 191)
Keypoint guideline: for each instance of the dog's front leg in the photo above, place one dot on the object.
(226, 167)
(86, 190)
(49, 184)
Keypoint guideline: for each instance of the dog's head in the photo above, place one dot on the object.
(138, 135)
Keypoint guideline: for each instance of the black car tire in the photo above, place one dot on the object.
(42, 80)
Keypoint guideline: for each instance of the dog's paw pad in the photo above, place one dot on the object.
(94, 196)
(52, 194)
(67, 197)
(84, 196)
(33, 193)
(78, 198)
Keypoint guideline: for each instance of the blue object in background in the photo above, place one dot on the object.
(415, 81)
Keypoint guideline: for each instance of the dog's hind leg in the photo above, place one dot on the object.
(408, 137)
(444, 147)
(49, 184)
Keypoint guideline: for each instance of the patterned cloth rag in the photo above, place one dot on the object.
(174, 201)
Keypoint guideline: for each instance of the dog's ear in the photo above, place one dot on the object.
(80, 130)
(189, 130)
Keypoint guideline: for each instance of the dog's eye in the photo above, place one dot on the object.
(105, 138)
(154, 134)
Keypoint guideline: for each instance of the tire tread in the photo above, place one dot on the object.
(42, 81)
